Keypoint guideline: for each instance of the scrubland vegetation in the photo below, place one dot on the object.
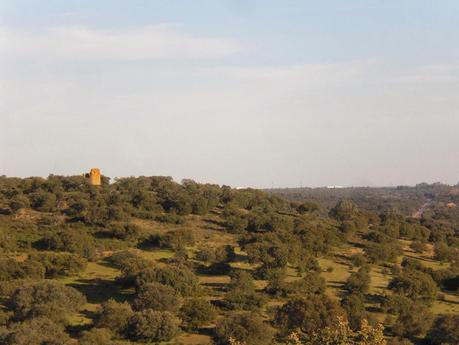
(148, 260)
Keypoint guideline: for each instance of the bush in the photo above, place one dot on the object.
(246, 328)
(418, 247)
(181, 279)
(445, 330)
(170, 218)
(312, 283)
(47, 298)
(310, 265)
(114, 316)
(71, 240)
(128, 259)
(19, 201)
(197, 312)
(59, 264)
(236, 224)
(342, 334)
(276, 282)
(177, 239)
(124, 231)
(383, 252)
(241, 294)
(9, 269)
(416, 285)
(358, 282)
(444, 253)
(354, 306)
(236, 299)
(157, 296)
(306, 207)
(7, 242)
(222, 254)
(131, 265)
(412, 321)
(152, 325)
(96, 336)
(37, 331)
(43, 201)
(358, 259)
(307, 314)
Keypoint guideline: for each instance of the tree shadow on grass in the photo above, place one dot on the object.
(75, 330)
(209, 331)
(220, 287)
(213, 224)
(108, 263)
(100, 290)
(373, 309)
(374, 298)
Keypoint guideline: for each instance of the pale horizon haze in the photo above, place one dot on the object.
(257, 93)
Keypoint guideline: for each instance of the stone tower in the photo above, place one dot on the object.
(94, 176)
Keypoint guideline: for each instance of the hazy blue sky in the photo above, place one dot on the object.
(256, 93)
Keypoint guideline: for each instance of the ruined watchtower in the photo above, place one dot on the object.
(94, 176)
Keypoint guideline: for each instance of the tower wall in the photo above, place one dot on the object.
(94, 177)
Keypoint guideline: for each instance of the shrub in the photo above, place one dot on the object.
(418, 247)
(197, 312)
(71, 240)
(221, 254)
(59, 264)
(246, 328)
(445, 330)
(354, 306)
(276, 282)
(444, 253)
(412, 321)
(114, 316)
(236, 224)
(312, 283)
(358, 259)
(37, 331)
(383, 252)
(19, 201)
(7, 242)
(241, 294)
(10, 269)
(43, 201)
(124, 231)
(341, 334)
(181, 279)
(416, 285)
(177, 239)
(157, 296)
(307, 314)
(152, 325)
(306, 207)
(358, 282)
(131, 265)
(47, 298)
(170, 218)
(96, 336)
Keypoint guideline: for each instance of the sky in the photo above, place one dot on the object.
(258, 93)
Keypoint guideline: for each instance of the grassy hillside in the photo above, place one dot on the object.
(202, 264)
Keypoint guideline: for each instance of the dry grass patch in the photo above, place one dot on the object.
(335, 278)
